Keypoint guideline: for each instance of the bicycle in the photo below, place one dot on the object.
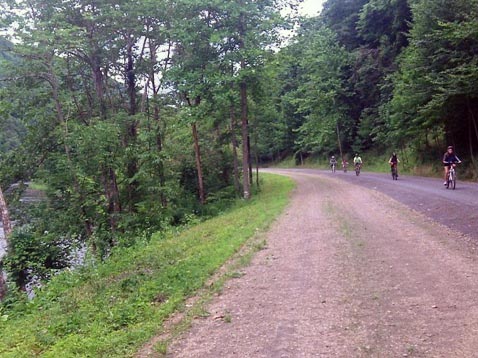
(394, 171)
(344, 166)
(451, 180)
(332, 167)
(358, 166)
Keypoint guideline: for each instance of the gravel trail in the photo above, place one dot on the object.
(457, 209)
(348, 272)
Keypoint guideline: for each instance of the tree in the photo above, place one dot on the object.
(7, 229)
(436, 84)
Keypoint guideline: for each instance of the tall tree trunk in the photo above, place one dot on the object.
(470, 143)
(132, 130)
(256, 158)
(131, 78)
(339, 141)
(160, 165)
(245, 143)
(246, 146)
(99, 87)
(94, 60)
(7, 229)
(7, 226)
(197, 152)
(473, 118)
(237, 184)
(114, 204)
(3, 285)
(53, 81)
(473, 124)
(156, 112)
(249, 150)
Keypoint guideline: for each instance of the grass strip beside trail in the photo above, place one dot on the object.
(111, 310)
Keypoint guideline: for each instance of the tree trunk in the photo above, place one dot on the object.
(251, 179)
(94, 60)
(53, 81)
(473, 124)
(470, 140)
(473, 118)
(237, 184)
(7, 226)
(246, 154)
(197, 152)
(132, 129)
(340, 143)
(256, 159)
(7, 229)
(156, 113)
(3, 285)
(99, 87)
(131, 78)
(160, 166)
(245, 143)
(112, 193)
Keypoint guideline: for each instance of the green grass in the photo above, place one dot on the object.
(113, 309)
(38, 186)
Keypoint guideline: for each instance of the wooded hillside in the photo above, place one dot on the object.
(381, 75)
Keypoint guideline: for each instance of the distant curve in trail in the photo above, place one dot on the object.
(456, 209)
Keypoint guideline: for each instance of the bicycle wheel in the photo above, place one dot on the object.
(357, 170)
(454, 181)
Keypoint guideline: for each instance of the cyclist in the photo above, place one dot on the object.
(332, 162)
(449, 158)
(393, 161)
(357, 160)
(344, 164)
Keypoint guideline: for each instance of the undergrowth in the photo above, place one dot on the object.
(110, 310)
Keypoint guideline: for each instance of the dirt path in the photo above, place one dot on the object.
(457, 209)
(348, 272)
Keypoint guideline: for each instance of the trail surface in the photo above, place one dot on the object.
(457, 209)
(348, 272)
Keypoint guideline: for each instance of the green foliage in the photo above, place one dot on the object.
(35, 256)
(111, 310)
(378, 74)
(436, 85)
(106, 116)
(322, 93)
(342, 16)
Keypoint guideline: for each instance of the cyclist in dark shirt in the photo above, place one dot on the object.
(449, 158)
(393, 161)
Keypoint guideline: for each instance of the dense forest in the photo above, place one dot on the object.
(379, 76)
(135, 116)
